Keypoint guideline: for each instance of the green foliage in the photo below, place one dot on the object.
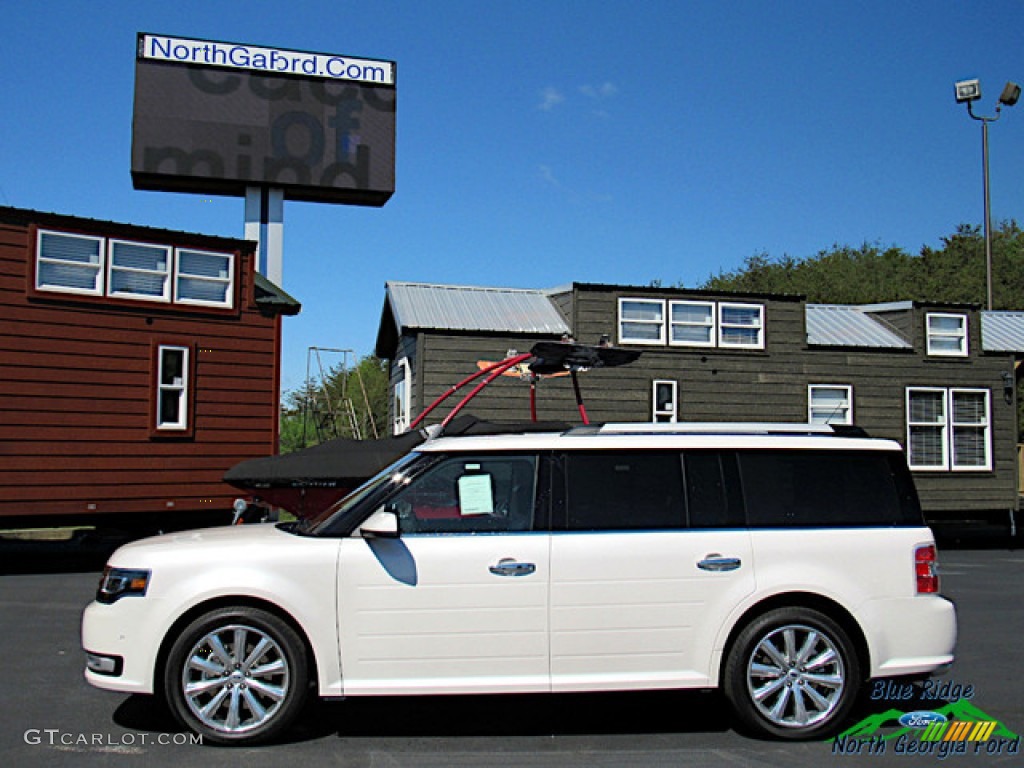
(954, 273)
(350, 402)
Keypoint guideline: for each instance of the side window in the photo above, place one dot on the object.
(713, 492)
(624, 490)
(817, 489)
(470, 494)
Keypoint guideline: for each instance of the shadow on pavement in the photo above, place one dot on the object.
(80, 552)
(477, 716)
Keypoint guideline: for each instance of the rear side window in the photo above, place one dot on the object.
(624, 490)
(827, 488)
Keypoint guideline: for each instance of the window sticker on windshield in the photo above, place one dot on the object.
(475, 496)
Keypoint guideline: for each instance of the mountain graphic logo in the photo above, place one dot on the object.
(961, 711)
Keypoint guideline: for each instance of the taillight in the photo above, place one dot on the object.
(926, 568)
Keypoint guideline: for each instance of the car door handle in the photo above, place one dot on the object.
(716, 562)
(510, 567)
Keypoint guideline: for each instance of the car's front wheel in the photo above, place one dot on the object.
(792, 673)
(237, 675)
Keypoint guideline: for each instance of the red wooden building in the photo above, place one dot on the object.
(136, 366)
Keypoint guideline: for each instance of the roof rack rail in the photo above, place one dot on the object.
(717, 428)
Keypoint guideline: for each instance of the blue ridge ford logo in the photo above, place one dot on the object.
(921, 719)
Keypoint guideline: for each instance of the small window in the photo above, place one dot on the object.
(69, 263)
(470, 494)
(692, 323)
(947, 334)
(204, 278)
(172, 388)
(949, 429)
(829, 404)
(632, 490)
(741, 326)
(400, 406)
(140, 271)
(641, 321)
(665, 396)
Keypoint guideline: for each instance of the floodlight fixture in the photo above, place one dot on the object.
(1010, 94)
(968, 91)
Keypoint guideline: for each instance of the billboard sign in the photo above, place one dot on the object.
(215, 118)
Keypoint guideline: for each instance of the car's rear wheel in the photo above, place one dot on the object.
(792, 673)
(237, 675)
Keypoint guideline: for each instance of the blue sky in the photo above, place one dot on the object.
(542, 142)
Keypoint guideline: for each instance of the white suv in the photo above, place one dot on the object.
(784, 565)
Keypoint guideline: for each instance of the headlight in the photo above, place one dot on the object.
(121, 582)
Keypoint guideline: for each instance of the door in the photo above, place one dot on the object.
(459, 602)
(645, 571)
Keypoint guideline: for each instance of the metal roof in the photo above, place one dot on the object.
(834, 325)
(468, 308)
(1002, 331)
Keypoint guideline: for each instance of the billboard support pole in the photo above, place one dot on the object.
(264, 223)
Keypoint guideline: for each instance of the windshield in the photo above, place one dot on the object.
(332, 520)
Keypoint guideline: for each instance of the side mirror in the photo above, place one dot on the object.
(382, 524)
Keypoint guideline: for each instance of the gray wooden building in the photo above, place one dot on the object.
(939, 378)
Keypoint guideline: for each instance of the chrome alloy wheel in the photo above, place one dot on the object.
(795, 676)
(235, 678)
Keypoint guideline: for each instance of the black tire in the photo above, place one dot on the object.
(792, 673)
(237, 676)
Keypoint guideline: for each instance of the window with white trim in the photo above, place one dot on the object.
(949, 429)
(204, 278)
(139, 271)
(665, 399)
(829, 404)
(172, 388)
(401, 415)
(946, 334)
(642, 321)
(69, 263)
(741, 326)
(688, 323)
(691, 323)
(97, 266)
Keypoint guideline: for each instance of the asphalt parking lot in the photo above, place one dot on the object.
(50, 716)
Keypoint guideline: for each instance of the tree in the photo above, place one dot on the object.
(954, 273)
(348, 402)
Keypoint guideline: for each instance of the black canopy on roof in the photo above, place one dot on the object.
(347, 462)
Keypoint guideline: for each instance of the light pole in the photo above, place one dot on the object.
(969, 91)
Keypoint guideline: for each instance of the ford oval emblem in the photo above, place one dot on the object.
(921, 719)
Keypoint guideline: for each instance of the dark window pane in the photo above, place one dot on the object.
(823, 488)
(625, 490)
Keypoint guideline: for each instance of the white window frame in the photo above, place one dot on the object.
(228, 281)
(401, 407)
(165, 296)
(98, 268)
(710, 325)
(624, 339)
(179, 388)
(846, 403)
(723, 326)
(948, 427)
(933, 335)
(672, 413)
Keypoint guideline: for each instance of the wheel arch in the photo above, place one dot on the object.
(229, 601)
(811, 600)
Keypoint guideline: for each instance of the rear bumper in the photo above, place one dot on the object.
(915, 636)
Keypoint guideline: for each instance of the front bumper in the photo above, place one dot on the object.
(121, 645)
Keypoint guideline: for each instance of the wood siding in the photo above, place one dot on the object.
(77, 392)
